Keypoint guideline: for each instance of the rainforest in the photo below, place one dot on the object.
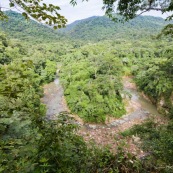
(94, 97)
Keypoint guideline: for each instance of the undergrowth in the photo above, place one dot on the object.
(157, 140)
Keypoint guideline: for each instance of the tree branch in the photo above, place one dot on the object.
(148, 9)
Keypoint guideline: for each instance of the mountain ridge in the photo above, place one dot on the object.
(107, 29)
(18, 27)
(95, 28)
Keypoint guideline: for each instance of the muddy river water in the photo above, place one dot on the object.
(137, 106)
(54, 99)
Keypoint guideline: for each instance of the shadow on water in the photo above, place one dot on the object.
(145, 104)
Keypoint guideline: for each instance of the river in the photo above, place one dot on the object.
(137, 106)
(54, 99)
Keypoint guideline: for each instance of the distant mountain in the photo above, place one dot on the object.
(95, 28)
(100, 28)
(18, 27)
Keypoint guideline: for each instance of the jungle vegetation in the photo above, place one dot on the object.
(91, 73)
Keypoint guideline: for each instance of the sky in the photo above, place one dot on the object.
(82, 10)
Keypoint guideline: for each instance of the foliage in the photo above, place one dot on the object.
(8, 52)
(20, 111)
(40, 11)
(28, 30)
(99, 28)
(92, 29)
(92, 85)
(129, 9)
(61, 150)
(30, 143)
(20, 87)
(48, 73)
(167, 31)
(158, 141)
(48, 13)
(91, 74)
(156, 80)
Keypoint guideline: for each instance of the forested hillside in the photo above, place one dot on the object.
(91, 29)
(28, 30)
(93, 57)
(102, 28)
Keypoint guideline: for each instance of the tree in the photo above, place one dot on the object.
(128, 9)
(36, 9)
(132, 8)
(167, 30)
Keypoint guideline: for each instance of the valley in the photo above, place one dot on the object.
(96, 96)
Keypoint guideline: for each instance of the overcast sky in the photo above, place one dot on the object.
(82, 10)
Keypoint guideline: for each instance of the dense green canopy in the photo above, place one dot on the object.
(91, 75)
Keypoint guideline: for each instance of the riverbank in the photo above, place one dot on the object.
(137, 107)
(54, 99)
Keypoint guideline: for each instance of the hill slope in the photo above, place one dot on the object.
(100, 28)
(95, 28)
(18, 27)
